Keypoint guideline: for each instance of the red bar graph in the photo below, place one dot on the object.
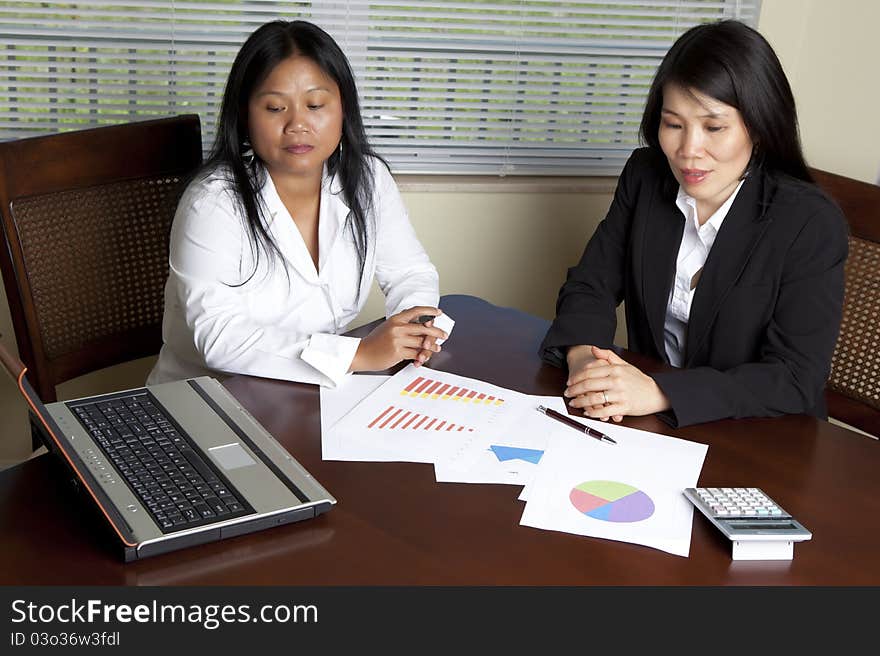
(393, 418)
(435, 390)
(412, 385)
(402, 417)
(377, 419)
(387, 421)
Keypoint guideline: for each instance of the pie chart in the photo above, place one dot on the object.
(611, 501)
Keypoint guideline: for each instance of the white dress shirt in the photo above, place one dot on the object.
(696, 242)
(284, 321)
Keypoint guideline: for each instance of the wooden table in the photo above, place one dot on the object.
(395, 525)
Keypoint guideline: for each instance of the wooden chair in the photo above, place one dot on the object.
(853, 389)
(86, 218)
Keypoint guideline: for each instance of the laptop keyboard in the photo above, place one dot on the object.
(179, 488)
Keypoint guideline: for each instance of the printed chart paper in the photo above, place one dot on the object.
(630, 492)
(475, 432)
(511, 454)
(425, 415)
(336, 403)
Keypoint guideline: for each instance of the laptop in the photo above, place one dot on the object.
(174, 465)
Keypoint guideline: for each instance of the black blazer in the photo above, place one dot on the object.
(765, 314)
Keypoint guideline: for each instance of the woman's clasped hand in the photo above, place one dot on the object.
(605, 386)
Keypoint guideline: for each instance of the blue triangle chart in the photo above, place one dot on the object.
(504, 453)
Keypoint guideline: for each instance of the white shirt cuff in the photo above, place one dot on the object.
(331, 355)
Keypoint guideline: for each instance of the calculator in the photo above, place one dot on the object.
(758, 527)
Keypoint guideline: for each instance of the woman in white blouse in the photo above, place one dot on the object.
(276, 243)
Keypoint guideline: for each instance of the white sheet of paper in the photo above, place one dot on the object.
(337, 402)
(425, 415)
(509, 456)
(633, 490)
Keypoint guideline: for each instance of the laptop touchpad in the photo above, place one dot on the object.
(231, 456)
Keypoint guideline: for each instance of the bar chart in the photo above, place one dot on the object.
(394, 418)
(436, 390)
(427, 415)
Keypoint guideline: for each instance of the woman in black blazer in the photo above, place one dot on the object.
(728, 257)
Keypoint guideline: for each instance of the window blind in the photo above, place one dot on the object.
(530, 87)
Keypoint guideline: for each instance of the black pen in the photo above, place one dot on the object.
(568, 421)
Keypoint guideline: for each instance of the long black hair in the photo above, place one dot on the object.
(267, 47)
(733, 63)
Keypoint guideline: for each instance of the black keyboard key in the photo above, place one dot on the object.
(177, 519)
(198, 464)
(204, 510)
(217, 506)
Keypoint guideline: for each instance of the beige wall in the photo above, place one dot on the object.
(831, 53)
(510, 248)
(510, 242)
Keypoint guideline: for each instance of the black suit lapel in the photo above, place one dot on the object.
(663, 232)
(740, 232)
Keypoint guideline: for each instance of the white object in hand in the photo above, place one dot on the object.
(445, 323)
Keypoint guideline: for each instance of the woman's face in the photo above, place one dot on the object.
(295, 118)
(707, 146)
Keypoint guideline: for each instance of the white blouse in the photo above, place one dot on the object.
(284, 320)
(696, 242)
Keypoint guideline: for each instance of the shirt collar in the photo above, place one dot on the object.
(332, 199)
(686, 202)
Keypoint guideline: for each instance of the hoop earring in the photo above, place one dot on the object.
(247, 152)
(340, 148)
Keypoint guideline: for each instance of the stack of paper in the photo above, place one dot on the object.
(475, 432)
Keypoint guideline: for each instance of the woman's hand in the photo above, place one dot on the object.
(398, 338)
(606, 386)
(578, 357)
